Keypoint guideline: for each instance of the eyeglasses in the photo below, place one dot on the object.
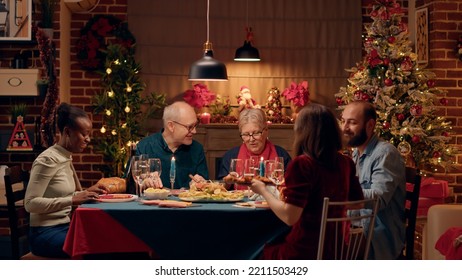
(255, 135)
(188, 127)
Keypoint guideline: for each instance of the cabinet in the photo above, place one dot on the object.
(18, 82)
(219, 138)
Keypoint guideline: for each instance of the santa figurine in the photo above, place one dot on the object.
(245, 99)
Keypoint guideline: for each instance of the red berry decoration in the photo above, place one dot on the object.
(416, 139)
(365, 97)
(339, 101)
(400, 117)
(386, 61)
(391, 39)
(436, 154)
(445, 134)
(444, 101)
(358, 94)
(431, 83)
(386, 125)
(388, 82)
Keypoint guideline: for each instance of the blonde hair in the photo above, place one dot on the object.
(255, 116)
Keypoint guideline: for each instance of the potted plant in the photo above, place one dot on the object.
(17, 110)
(42, 86)
(155, 104)
(47, 10)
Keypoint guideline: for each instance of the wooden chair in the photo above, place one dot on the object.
(15, 175)
(351, 241)
(18, 229)
(412, 202)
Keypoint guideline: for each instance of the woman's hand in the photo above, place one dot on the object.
(98, 188)
(84, 196)
(258, 186)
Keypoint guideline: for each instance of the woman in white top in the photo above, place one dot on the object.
(54, 187)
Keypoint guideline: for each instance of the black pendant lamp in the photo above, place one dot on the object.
(247, 52)
(207, 68)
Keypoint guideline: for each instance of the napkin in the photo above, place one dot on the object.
(174, 204)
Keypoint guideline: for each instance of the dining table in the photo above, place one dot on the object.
(208, 230)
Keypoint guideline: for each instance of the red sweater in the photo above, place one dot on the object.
(307, 183)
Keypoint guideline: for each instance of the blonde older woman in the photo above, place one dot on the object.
(253, 129)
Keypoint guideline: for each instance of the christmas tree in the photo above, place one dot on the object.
(119, 104)
(404, 94)
(273, 108)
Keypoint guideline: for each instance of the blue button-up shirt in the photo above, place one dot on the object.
(382, 174)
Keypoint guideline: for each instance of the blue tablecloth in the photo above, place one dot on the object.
(209, 231)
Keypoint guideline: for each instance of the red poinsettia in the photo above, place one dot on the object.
(297, 94)
(199, 96)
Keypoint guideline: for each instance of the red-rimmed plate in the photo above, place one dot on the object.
(116, 197)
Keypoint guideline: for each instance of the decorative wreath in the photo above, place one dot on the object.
(100, 31)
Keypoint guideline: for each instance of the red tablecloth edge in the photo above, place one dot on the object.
(93, 231)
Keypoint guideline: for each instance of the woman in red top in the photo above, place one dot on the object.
(318, 170)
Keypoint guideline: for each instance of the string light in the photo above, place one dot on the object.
(108, 71)
(116, 62)
(110, 93)
(103, 129)
(108, 112)
(114, 132)
(127, 109)
(129, 88)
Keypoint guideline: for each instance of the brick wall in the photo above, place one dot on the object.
(84, 84)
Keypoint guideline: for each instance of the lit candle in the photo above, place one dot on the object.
(172, 168)
(262, 167)
(172, 172)
(205, 118)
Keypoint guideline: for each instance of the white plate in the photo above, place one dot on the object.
(116, 198)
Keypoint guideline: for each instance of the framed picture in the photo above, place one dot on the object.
(421, 36)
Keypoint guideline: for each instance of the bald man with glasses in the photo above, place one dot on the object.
(176, 140)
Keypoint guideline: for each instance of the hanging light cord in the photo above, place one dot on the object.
(248, 29)
(208, 12)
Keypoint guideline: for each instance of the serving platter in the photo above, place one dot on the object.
(210, 200)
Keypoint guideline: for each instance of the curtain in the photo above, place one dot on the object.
(298, 40)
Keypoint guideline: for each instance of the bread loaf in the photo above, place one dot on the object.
(114, 184)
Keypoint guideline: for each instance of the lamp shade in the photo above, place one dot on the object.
(247, 53)
(208, 69)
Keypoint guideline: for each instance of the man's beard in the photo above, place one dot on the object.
(359, 139)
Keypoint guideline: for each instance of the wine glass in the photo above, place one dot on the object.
(155, 165)
(236, 167)
(275, 172)
(136, 172)
(140, 171)
(255, 164)
(249, 167)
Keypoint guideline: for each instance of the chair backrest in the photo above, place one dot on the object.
(14, 175)
(410, 213)
(350, 240)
